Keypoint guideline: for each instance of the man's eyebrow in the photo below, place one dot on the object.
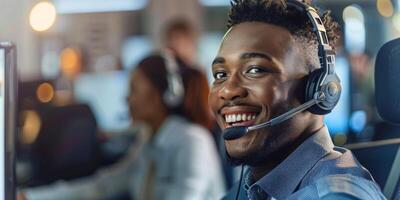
(248, 55)
(218, 60)
(243, 56)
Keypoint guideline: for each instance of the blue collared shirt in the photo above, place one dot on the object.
(315, 170)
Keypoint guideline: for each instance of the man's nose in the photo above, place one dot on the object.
(232, 89)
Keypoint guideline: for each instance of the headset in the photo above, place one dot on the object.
(322, 83)
(323, 86)
(173, 95)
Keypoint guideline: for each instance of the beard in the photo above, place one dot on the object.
(274, 146)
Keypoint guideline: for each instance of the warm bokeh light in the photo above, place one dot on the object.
(45, 92)
(70, 60)
(42, 16)
(385, 7)
(31, 126)
(396, 21)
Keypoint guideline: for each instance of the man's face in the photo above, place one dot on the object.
(258, 76)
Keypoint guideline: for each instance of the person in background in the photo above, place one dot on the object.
(180, 37)
(174, 156)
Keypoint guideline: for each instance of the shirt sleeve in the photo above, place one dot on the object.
(196, 168)
(348, 187)
(105, 183)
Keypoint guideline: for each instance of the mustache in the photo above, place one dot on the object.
(238, 102)
(232, 103)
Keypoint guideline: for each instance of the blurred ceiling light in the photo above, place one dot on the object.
(71, 62)
(396, 21)
(358, 120)
(50, 64)
(31, 126)
(215, 2)
(353, 12)
(45, 92)
(354, 29)
(385, 7)
(90, 6)
(398, 5)
(42, 16)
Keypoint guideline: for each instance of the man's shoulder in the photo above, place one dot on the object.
(338, 161)
(354, 187)
(339, 173)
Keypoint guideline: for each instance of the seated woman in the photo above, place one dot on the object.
(174, 157)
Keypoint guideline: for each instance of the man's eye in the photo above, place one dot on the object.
(255, 70)
(219, 75)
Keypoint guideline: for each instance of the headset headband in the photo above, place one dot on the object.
(325, 51)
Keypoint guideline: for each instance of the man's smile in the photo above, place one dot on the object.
(242, 115)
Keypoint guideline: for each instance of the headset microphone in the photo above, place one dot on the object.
(236, 132)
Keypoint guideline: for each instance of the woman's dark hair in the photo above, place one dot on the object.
(194, 106)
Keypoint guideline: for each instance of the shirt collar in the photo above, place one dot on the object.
(284, 178)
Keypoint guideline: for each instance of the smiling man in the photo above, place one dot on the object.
(260, 72)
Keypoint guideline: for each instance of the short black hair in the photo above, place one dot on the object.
(277, 13)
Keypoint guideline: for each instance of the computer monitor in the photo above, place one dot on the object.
(8, 95)
(106, 94)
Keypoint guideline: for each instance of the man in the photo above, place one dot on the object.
(260, 73)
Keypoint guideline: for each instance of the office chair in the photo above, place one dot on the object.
(66, 147)
(382, 157)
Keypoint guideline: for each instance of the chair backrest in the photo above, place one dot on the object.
(382, 159)
(66, 146)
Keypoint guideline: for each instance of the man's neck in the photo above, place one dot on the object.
(260, 171)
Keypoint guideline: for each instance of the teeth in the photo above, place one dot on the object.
(239, 117)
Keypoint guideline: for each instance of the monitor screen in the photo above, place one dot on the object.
(106, 94)
(2, 124)
(7, 120)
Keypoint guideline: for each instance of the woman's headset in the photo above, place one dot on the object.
(173, 95)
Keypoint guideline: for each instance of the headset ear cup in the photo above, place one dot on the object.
(313, 83)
